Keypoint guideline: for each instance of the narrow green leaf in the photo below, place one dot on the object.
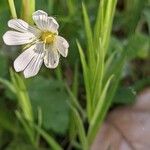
(22, 95)
(98, 75)
(86, 80)
(97, 118)
(8, 84)
(39, 124)
(109, 62)
(89, 36)
(59, 73)
(74, 101)
(26, 126)
(50, 140)
(98, 28)
(109, 15)
(87, 26)
(75, 81)
(71, 7)
(80, 129)
(50, 6)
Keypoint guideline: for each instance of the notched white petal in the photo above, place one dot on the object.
(51, 58)
(52, 24)
(44, 22)
(40, 19)
(17, 38)
(62, 46)
(18, 25)
(23, 59)
(22, 26)
(39, 12)
(35, 64)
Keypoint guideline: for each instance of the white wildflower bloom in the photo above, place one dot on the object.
(44, 43)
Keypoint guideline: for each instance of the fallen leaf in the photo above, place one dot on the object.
(126, 128)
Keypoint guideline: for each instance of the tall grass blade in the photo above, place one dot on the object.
(80, 129)
(22, 95)
(97, 118)
(98, 28)
(26, 126)
(89, 36)
(8, 84)
(49, 139)
(86, 81)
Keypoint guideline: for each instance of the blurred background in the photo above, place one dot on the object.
(131, 33)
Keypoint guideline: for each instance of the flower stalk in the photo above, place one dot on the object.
(12, 8)
(28, 7)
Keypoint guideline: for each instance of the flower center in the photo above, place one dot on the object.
(48, 37)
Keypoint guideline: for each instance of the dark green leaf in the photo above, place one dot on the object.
(124, 95)
(138, 46)
(50, 96)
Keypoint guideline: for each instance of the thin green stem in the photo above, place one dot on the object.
(12, 8)
(28, 7)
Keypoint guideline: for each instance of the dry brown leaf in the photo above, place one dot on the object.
(127, 128)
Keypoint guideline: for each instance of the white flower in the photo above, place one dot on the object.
(43, 42)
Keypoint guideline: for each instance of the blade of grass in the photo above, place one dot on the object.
(96, 120)
(50, 6)
(49, 139)
(89, 36)
(110, 9)
(75, 102)
(80, 129)
(98, 28)
(22, 95)
(39, 124)
(86, 81)
(98, 75)
(26, 126)
(8, 84)
(71, 7)
(75, 81)
(108, 97)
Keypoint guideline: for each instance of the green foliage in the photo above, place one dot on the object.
(22, 95)
(146, 14)
(93, 67)
(4, 12)
(80, 129)
(42, 105)
(52, 143)
(17, 143)
(50, 97)
(138, 46)
(3, 65)
(125, 95)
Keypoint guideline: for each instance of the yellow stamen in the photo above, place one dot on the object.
(48, 37)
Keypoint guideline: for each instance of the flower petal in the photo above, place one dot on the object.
(35, 64)
(17, 38)
(62, 46)
(40, 19)
(51, 58)
(52, 24)
(22, 26)
(23, 59)
(44, 22)
(39, 12)
(18, 25)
